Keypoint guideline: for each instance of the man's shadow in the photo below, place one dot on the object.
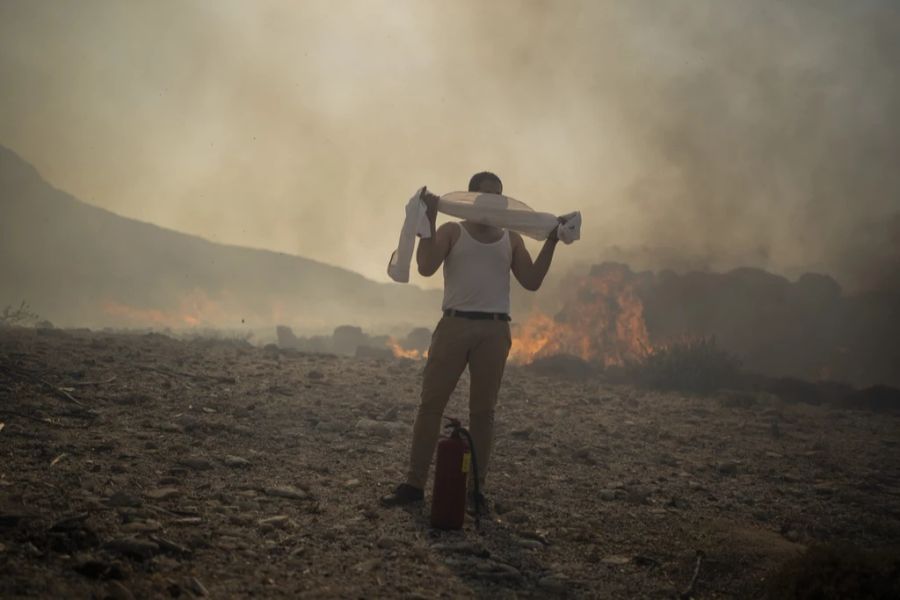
(492, 556)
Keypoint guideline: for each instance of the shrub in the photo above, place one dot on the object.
(20, 315)
(697, 365)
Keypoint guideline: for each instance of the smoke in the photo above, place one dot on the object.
(704, 134)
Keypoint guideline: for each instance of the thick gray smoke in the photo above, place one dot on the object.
(702, 134)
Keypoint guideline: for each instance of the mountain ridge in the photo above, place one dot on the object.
(53, 244)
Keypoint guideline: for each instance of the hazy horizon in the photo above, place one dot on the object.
(709, 135)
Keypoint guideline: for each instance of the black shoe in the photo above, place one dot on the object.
(404, 494)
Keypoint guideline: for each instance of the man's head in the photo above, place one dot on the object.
(486, 182)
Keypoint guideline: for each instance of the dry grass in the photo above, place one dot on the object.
(697, 365)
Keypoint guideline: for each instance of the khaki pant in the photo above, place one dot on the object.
(456, 342)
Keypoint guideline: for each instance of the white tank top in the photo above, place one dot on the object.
(476, 275)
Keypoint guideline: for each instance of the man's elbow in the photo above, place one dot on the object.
(532, 285)
(426, 270)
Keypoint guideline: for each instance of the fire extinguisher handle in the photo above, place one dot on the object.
(452, 423)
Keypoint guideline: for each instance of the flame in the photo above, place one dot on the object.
(194, 309)
(602, 320)
(401, 352)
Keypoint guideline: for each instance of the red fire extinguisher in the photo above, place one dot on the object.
(455, 456)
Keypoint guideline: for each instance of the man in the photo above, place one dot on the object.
(474, 331)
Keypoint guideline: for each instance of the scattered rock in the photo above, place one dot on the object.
(278, 521)
(638, 494)
(286, 491)
(522, 434)
(367, 566)
(133, 547)
(190, 424)
(386, 543)
(236, 462)
(539, 535)
(147, 526)
(325, 426)
(125, 500)
(555, 583)
(529, 544)
(70, 522)
(163, 493)
(196, 463)
(667, 460)
(95, 568)
(31, 550)
(517, 517)
(194, 585)
(645, 561)
(315, 375)
(462, 548)
(586, 456)
(117, 591)
(825, 489)
(677, 502)
(607, 494)
(727, 467)
(167, 545)
(498, 570)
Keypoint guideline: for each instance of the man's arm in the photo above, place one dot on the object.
(531, 274)
(432, 251)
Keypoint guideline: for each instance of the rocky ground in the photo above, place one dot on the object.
(144, 466)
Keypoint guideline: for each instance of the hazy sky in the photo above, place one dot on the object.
(705, 133)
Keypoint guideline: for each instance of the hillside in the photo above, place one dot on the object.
(76, 264)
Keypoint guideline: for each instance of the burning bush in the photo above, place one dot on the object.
(601, 321)
(697, 365)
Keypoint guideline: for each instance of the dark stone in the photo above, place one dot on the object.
(133, 547)
(94, 568)
(347, 338)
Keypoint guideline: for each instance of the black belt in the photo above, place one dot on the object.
(466, 314)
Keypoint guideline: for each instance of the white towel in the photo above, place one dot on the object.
(415, 223)
(489, 209)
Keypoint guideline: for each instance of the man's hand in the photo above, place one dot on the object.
(554, 235)
(431, 201)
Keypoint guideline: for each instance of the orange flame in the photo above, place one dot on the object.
(602, 320)
(401, 352)
(195, 309)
